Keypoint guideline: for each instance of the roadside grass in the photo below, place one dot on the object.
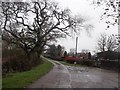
(23, 79)
(69, 64)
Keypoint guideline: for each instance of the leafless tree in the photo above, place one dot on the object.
(106, 43)
(111, 43)
(85, 51)
(101, 43)
(31, 25)
(111, 11)
(72, 52)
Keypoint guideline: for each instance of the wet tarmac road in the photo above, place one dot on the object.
(62, 76)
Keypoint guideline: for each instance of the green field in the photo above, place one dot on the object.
(23, 79)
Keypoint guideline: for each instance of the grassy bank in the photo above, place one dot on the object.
(69, 64)
(23, 79)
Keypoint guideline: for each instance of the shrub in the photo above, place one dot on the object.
(87, 62)
(111, 64)
(16, 60)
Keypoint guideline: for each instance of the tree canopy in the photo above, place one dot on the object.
(111, 11)
(31, 25)
(106, 43)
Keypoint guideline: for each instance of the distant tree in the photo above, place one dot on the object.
(65, 53)
(72, 52)
(59, 50)
(89, 55)
(106, 43)
(101, 43)
(85, 51)
(52, 50)
(55, 51)
(63, 50)
(111, 43)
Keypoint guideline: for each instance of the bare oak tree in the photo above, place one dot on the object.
(31, 25)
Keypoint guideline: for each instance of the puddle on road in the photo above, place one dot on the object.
(77, 69)
(60, 68)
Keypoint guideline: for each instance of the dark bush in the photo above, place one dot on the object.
(70, 61)
(56, 58)
(111, 55)
(17, 61)
(86, 62)
(15, 65)
(110, 64)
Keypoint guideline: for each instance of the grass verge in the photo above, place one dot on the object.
(23, 79)
(69, 64)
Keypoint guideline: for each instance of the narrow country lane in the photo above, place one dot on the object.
(58, 77)
(62, 76)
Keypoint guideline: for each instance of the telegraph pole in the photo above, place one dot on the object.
(76, 45)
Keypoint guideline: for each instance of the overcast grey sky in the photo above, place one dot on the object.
(92, 14)
(89, 12)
